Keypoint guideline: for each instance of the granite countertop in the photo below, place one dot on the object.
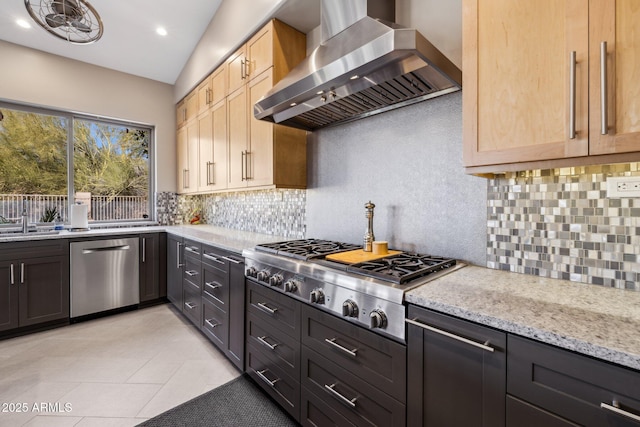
(225, 238)
(589, 319)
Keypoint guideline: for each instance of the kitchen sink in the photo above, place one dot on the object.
(18, 233)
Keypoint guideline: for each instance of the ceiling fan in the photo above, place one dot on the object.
(75, 21)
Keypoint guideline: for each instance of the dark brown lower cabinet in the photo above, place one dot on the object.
(152, 256)
(175, 268)
(572, 387)
(523, 414)
(34, 283)
(456, 372)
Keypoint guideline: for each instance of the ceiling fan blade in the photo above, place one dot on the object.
(81, 26)
(70, 8)
(55, 20)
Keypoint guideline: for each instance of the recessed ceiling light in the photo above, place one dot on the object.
(162, 31)
(23, 23)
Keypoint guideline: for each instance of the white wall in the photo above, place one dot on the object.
(37, 78)
(232, 24)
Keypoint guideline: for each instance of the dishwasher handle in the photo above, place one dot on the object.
(106, 249)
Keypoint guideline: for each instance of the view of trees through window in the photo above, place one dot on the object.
(109, 166)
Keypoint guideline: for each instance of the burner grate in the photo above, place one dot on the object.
(402, 268)
(306, 249)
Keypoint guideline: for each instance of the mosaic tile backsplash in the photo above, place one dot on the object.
(559, 223)
(275, 212)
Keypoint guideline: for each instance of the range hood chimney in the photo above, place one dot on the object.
(364, 65)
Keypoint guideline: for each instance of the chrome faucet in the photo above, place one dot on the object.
(25, 217)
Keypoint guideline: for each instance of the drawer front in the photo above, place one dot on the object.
(193, 273)
(274, 308)
(379, 361)
(275, 344)
(522, 414)
(192, 306)
(215, 286)
(572, 386)
(282, 388)
(316, 413)
(215, 258)
(350, 396)
(214, 324)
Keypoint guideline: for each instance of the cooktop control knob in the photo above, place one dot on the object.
(290, 285)
(349, 308)
(378, 319)
(252, 272)
(276, 280)
(317, 296)
(263, 275)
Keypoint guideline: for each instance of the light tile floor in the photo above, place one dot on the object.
(114, 371)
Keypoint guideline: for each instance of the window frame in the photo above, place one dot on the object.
(70, 117)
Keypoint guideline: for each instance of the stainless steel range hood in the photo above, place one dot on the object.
(364, 65)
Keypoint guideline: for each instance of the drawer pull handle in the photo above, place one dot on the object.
(450, 335)
(189, 305)
(264, 378)
(210, 295)
(212, 258)
(191, 273)
(264, 307)
(263, 341)
(615, 408)
(192, 249)
(233, 260)
(213, 285)
(333, 342)
(211, 325)
(350, 402)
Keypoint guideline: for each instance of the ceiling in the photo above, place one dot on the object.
(130, 43)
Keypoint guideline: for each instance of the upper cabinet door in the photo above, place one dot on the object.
(524, 98)
(615, 67)
(260, 51)
(237, 69)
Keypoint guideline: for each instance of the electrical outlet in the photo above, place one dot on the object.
(619, 187)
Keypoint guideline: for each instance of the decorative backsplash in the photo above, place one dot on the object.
(559, 223)
(275, 212)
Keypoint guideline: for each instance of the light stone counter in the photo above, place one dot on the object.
(589, 319)
(225, 238)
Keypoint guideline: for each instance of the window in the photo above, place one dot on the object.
(52, 159)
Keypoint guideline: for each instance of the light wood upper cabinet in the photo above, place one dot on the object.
(238, 125)
(213, 89)
(212, 148)
(614, 22)
(187, 150)
(517, 99)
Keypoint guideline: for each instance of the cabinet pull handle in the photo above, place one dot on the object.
(13, 278)
(350, 402)
(247, 165)
(211, 325)
(213, 285)
(184, 179)
(247, 66)
(191, 273)
(210, 174)
(263, 306)
(333, 342)
(22, 273)
(450, 335)
(242, 70)
(212, 258)
(189, 305)
(144, 249)
(264, 378)
(233, 260)
(243, 163)
(178, 265)
(214, 297)
(615, 408)
(572, 95)
(604, 92)
(263, 341)
(192, 250)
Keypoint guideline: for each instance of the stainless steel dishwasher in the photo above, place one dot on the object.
(104, 275)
